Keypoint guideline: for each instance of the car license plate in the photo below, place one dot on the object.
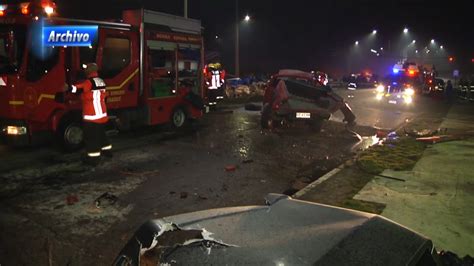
(392, 102)
(303, 115)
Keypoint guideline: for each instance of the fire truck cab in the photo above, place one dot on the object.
(151, 63)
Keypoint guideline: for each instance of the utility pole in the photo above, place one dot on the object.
(186, 8)
(237, 63)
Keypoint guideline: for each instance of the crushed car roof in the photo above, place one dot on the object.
(294, 73)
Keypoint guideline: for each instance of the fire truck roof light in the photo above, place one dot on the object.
(24, 8)
(48, 10)
(3, 7)
(411, 72)
(396, 70)
(2, 13)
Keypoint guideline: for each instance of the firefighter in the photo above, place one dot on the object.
(94, 114)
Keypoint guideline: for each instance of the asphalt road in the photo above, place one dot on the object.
(48, 200)
(381, 114)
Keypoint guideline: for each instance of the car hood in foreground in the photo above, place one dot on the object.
(284, 232)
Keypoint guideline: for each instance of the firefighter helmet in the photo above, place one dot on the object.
(91, 68)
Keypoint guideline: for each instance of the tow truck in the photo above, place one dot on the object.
(151, 62)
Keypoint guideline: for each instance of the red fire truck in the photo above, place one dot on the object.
(151, 62)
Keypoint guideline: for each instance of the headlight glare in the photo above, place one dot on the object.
(409, 91)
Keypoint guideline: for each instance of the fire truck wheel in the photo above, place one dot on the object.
(178, 118)
(72, 136)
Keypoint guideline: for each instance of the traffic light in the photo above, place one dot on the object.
(451, 59)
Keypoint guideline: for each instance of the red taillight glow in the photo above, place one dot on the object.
(24, 8)
(430, 81)
(411, 72)
(48, 10)
(48, 7)
(2, 10)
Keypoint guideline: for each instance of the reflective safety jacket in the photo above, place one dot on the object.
(93, 99)
(215, 79)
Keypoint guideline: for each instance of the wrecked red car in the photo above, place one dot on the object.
(298, 96)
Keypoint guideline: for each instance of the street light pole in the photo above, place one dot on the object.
(237, 63)
(186, 8)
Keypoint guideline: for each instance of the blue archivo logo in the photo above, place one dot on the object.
(69, 35)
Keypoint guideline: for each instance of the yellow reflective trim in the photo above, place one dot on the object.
(46, 96)
(16, 102)
(111, 88)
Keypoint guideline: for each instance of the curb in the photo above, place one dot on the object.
(318, 181)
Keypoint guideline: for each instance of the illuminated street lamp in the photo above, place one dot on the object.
(356, 43)
(413, 42)
(405, 30)
(374, 32)
(432, 41)
(441, 47)
(237, 37)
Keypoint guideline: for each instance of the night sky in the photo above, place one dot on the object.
(306, 34)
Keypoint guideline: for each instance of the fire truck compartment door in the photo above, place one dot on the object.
(157, 45)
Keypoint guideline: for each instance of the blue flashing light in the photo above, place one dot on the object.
(396, 70)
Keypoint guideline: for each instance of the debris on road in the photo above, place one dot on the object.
(441, 138)
(106, 199)
(430, 140)
(230, 168)
(425, 132)
(72, 199)
(381, 134)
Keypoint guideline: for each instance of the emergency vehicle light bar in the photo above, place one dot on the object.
(32, 7)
